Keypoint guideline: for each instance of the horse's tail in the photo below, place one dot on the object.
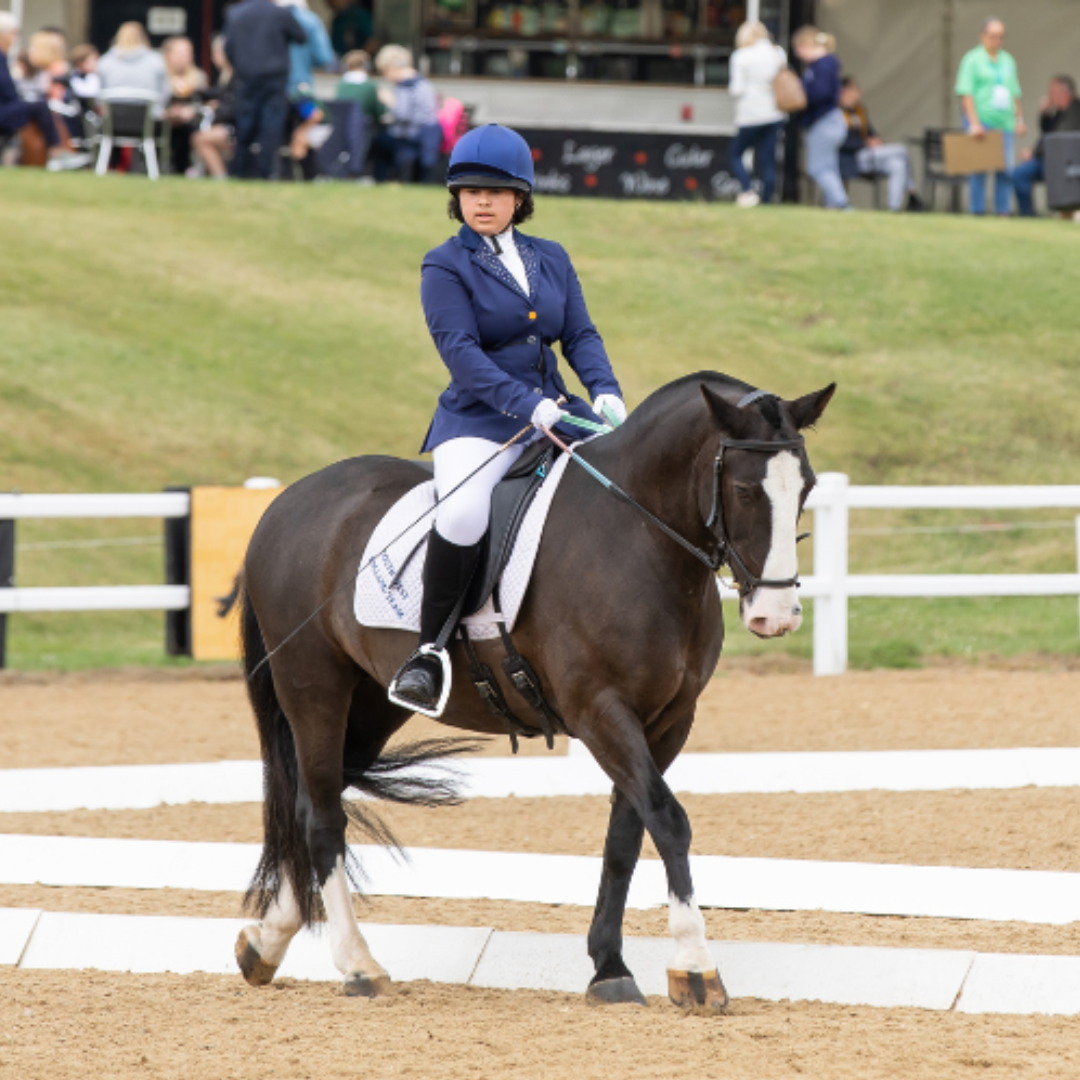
(285, 850)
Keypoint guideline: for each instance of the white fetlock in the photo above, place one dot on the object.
(363, 975)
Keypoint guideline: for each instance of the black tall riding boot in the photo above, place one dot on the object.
(448, 572)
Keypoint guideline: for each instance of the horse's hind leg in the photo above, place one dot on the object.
(320, 757)
(261, 948)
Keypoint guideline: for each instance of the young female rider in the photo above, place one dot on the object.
(495, 301)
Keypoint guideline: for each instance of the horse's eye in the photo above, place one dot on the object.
(744, 494)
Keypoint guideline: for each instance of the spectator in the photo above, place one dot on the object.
(1059, 111)
(16, 114)
(351, 28)
(755, 63)
(214, 145)
(47, 57)
(304, 57)
(356, 85)
(132, 65)
(47, 54)
(989, 92)
(258, 34)
(185, 79)
(823, 120)
(414, 134)
(186, 83)
(85, 81)
(864, 154)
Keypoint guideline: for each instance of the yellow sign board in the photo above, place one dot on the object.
(222, 521)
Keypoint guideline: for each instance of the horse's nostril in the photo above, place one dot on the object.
(796, 610)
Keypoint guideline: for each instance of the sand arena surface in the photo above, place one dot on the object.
(61, 1025)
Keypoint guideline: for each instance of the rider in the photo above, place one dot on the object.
(495, 301)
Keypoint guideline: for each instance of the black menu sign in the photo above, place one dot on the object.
(624, 165)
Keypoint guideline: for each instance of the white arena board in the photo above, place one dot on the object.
(721, 882)
(134, 787)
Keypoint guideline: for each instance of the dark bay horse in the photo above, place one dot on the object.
(623, 625)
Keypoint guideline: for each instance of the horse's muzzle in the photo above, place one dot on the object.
(771, 613)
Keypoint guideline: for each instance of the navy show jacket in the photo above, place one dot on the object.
(497, 341)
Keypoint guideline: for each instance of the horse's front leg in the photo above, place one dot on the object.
(613, 984)
(620, 748)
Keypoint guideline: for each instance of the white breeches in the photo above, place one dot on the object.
(462, 518)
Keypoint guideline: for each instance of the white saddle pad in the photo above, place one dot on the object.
(380, 605)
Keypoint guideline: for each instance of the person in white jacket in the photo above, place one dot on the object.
(755, 63)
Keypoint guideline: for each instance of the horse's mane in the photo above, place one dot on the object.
(673, 394)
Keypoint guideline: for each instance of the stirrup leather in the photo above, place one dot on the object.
(444, 661)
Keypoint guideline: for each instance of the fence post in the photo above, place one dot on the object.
(830, 572)
(7, 578)
(178, 572)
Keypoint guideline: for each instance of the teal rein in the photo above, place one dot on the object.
(589, 425)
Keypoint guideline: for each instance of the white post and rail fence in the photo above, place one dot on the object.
(830, 586)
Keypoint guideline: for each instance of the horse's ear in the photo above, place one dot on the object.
(736, 422)
(806, 411)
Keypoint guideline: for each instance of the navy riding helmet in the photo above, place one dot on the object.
(491, 156)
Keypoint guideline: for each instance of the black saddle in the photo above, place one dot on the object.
(510, 502)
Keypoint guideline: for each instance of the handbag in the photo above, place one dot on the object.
(789, 91)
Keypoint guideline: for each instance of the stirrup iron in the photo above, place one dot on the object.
(443, 658)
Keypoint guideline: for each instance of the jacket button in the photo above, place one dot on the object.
(537, 390)
(532, 314)
(531, 339)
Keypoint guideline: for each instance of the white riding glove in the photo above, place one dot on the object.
(612, 402)
(546, 414)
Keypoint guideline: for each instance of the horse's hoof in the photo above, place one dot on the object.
(621, 991)
(368, 986)
(256, 971)
(697, 991)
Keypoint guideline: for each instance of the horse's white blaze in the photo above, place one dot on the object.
(687, 927)
(347, 946)
(775, 611)
(279, 926)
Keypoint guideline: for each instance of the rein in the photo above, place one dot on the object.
(713, 562)
(726, 553)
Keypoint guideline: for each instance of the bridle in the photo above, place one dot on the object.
(727, 554)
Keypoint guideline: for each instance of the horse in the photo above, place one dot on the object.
(623, 626)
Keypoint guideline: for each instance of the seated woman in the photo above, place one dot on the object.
(495, 301)
(186, 84)
(19, 115)
(213, 144)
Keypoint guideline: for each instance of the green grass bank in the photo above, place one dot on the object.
(184, 333)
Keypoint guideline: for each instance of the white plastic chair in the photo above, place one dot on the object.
(129, 120)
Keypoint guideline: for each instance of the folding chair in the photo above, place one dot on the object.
(933, 150)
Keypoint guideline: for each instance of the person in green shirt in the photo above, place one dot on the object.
(356, 85)
(989, 92)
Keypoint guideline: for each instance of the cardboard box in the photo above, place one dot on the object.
(968, 154)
